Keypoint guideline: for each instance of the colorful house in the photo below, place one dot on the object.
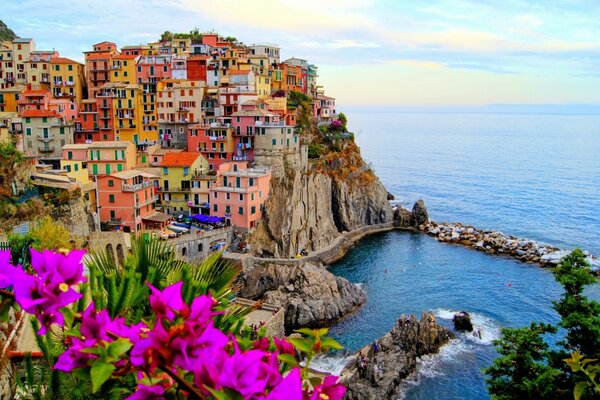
(324, 107)
(244, 128)
(179, 106)
(105, 158)
(86, 124)
(176, 180)
(125, 198)
(239, 194)
(215, 142)
(38, 68)
(44, 133)
(67, 79)
(9, 97)
(123, 68)
(98, 65)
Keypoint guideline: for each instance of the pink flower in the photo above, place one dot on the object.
(6, 269)
(290, 387)
(242, 372)
(167, 302)
(148, 393)
(329, 389)
(284, 347)
(262, 344)
(59, 267)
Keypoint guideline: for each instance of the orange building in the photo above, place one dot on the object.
(97, 66)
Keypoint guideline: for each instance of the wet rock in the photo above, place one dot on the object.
(462, 321)
(396, 358)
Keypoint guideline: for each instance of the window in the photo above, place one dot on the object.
(70, 67)
(241, 210)
(143, 159)
(274, 142)
(227, 210)
(111, 183)
(62, 130)
(111, 198)
(228, 196)
(28, 131)
(215, 195)
(76, 167)
(107, 168)
(253, 210)
(250, 181)
(186, 171)
(241, 197)
(112, 214)
(215, 207)
(119, 167)
(44, 119)
(165, 171)
(251, 196)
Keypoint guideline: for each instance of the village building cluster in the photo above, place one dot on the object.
(150, 132)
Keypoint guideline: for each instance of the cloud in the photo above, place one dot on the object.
(418, 63)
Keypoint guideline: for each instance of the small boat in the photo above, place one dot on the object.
(178, 229)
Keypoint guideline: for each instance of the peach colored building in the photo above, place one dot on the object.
(239, 194)
(125, 198)
(97, 66)
(105, 158)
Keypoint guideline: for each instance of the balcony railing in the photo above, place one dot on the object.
(142, 203)
(174, 189)
(48, 138)
(126, 187)
(270, 124)
(46, 147)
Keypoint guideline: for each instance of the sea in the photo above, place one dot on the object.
(532, 175)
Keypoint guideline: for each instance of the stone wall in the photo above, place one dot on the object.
(197, 247)
(275, 324)
(117, 244)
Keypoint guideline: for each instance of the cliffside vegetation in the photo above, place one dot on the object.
(529, 367)
(6, 33)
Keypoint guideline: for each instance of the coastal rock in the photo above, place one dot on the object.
(311, 295)
(462, 321)
(394, 358)
(414, 219)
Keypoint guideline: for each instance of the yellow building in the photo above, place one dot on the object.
(67, 79)
(9, 97)
(123, 68)
(5, 126)
(126, 112)
(109, 157)
(181, 47)
(178, 171)
(38, 68)
(262, 80)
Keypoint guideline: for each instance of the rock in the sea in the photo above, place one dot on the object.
(380, 374)
(462, 321)
(311, 295)
(413, 219)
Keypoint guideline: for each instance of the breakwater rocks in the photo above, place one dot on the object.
(310, 294)
(495, 242)
(377, 370)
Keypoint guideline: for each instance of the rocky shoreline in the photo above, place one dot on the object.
(488, 241)
(494, 242)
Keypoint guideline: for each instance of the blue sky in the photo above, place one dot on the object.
(459, 52)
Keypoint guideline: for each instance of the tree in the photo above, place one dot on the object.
(528, 368)
(166, 36)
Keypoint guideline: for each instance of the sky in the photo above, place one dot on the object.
(369, 52)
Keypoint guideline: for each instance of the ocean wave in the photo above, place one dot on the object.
(333, 363)
(487, 327)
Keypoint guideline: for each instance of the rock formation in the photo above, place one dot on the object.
(395, 358)
(309, 207)
(462, 321)
(311, 295)
(411, 220)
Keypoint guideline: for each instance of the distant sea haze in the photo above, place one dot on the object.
(535, 175)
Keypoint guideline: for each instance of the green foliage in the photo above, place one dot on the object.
(6, 33)
(315, 150)
(342, 118)
(521, 371)
(48, 234)
(590, 368)
(166, 36)
(313, 342)
(528, 369)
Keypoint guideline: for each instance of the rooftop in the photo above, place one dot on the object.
(76, 146)
(108, 145)
(40, 113)
(157, 216)
(130, 173)
(183, 159)
(63, 60)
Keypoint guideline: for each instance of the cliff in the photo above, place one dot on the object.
(5, 32)
(380, 374)
(310, 205)
(310, 295)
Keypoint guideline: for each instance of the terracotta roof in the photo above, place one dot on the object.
(109, 144)
(35, 92)
(98, 56)
(125, 56)
(40, 113)
(240, 72)
(63, 60)
(183, 159)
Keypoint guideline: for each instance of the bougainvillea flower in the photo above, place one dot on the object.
(329, 389)
(283, 346)
(73, 358)
(6, 269)
(290, 387)
(166, 302)
(143, 392)
(152, 350)
(201, 310)
(242, 372)
(64, 268)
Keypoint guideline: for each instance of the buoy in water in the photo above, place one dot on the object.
(510, 284)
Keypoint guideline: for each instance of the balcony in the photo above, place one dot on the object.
(183, 109)
(115, 221)
(231, 189)
(174, 190)
(142, 203)
(270, 124)
(201, 174)
(126, 187)
(9, 79)
(46, 147)
(46, 139)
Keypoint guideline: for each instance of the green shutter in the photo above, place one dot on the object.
(119, 167)
(95, 169)
(107, 168)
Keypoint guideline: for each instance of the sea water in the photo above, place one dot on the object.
(534, 176)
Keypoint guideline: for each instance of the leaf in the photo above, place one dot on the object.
(218, 395)
(303, 345)
(99, 373)
(579, 389)
(69, 316)
(288, 359)
(118, 347)
(328, 343)
(306, 331)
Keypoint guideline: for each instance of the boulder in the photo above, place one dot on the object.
(380, 376)
(311, 295)
(462, 322)
(413, 219)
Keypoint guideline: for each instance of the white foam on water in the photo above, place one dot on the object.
(359, 285)
(488, 328)
(334, 364)
(444, 314)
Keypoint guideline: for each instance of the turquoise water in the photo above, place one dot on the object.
(535, 176)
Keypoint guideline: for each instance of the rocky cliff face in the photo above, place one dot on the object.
(405, 219)
(311, 295)
(309, 207)
(384, 369)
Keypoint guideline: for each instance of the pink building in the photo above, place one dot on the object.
(75, 151)
(215, 142)
(152, 69)
(244, 128)
(239, 194)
